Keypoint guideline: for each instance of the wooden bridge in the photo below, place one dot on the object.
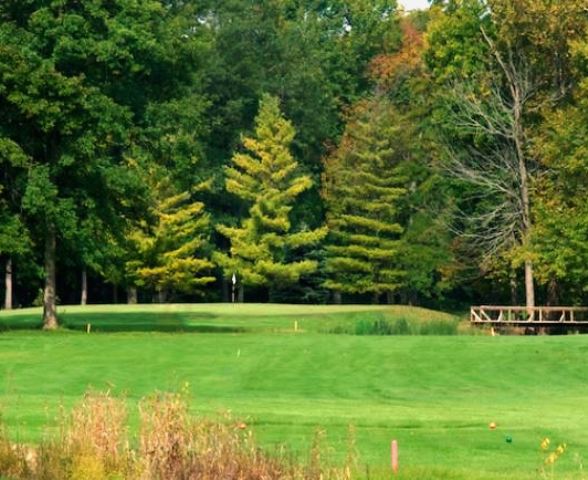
(557, 319)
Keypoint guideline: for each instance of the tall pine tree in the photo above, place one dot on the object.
(267, 179)
(362, 186)
(173, 250)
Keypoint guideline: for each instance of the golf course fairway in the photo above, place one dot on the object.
(283, 371)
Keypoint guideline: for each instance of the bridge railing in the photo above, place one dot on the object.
(492, 314)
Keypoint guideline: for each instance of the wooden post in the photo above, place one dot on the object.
(394, 456)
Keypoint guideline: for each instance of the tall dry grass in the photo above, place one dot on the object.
(93, 443)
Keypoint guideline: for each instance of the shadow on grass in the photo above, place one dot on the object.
(194, 322)
(25, 322)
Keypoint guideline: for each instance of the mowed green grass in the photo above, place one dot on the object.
(219, 317)
(434, 394)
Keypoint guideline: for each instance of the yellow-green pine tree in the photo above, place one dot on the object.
(362, 185)
(172, 254)
(267, 178)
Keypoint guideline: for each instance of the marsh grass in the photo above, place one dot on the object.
(399, 326)
(93, 444)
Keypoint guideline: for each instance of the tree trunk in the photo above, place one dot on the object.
(337, 299)
(390, 298)
(529, 284)
(225, 290)
(161, 296)
(376, 298)
(529, 277)
(241, 293)
(552, 292)
(132, 295)
(525, 199)
(8, 284)
(84, 297)
(49, 301)
(115, 293)
(514, 291)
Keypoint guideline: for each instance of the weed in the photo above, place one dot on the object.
(93, 444)
(550, 457)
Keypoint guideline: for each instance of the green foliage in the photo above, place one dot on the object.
(94, 94)
(362, 186)
(455, 45)
(561, 209)
(312, 55)
(79, 83)
(542, 31)
(505, 65)
(267, 179)
(172, 255)
(14, 237)
(425, 210)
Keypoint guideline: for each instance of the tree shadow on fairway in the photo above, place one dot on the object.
(108, 322)
(22, 322)
(196, 322)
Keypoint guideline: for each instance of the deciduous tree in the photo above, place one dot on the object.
(75, 78)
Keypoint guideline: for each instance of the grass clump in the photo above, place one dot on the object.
(14, 458)
(399, 326)
(93, 444)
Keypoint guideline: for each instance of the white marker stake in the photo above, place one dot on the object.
(394, 456)
(295, 325)
(234, 282)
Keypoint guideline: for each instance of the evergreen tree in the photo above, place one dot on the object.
(361, 189)
(172, 254)
(426, 257)
(267, 178)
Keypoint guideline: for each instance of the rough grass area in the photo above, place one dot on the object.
(435, 394)
(94, 444)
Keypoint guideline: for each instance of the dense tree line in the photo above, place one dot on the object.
(313, 151)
